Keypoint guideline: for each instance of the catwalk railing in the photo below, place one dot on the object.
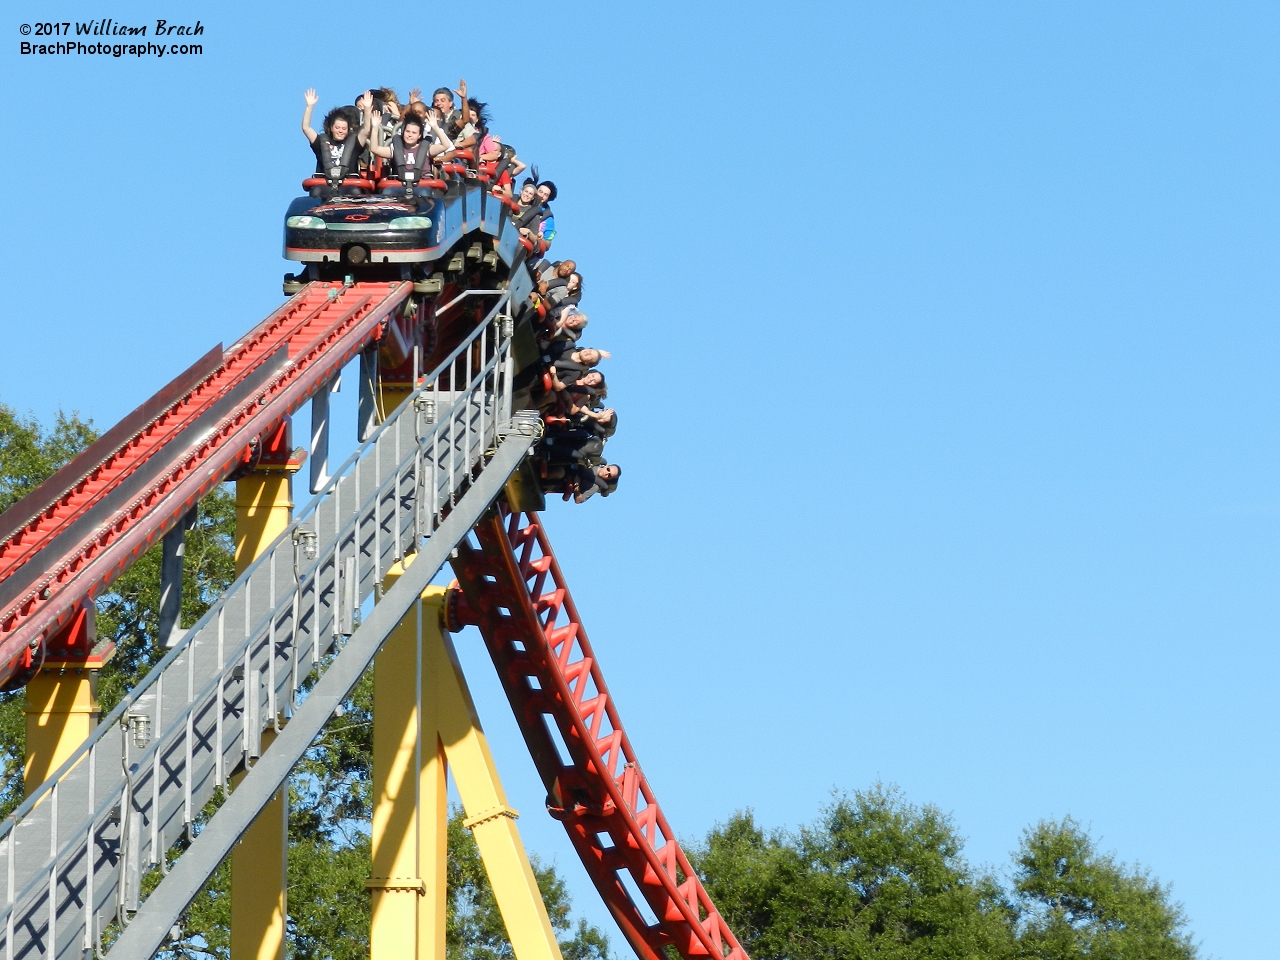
(73, 855)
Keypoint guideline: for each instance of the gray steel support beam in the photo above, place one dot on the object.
(319, 451)
(146, 933)
(173, 549)
(367, 406)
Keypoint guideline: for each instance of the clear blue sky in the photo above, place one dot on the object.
(945, 349)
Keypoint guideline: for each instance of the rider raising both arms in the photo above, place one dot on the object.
(337, 150)
(408, 149)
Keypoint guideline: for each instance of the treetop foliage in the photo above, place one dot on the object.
(1074, 901)
(875, 876)
(29, 455)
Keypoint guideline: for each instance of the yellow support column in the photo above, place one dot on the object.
(264, 507)
(62, 698)
(259, 881)
(433, 829)
(423, 713)
(61, 712)
(396, 886)
(490, 819)
(259, 862)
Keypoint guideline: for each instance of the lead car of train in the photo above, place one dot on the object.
(351, 231)
(454, 240)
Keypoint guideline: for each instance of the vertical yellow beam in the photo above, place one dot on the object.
(490, 819)
(419, 692)
(264, 507)
(433, 839)
(61, 711)
(433, 848)
(395, 885)
(259, 862)
(259, 881)
(410, 818)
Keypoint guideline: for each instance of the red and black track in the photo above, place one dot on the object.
(74, 534)
(516, 594)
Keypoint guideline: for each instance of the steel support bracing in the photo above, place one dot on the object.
(146, 934)
(366, 405)
(171, 562)
(319, 449)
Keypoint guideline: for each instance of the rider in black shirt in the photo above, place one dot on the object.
(337, 149)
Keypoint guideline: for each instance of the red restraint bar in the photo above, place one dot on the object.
(357, 182)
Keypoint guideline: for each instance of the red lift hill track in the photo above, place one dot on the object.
(65, 542)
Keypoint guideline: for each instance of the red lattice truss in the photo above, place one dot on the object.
(517, 595)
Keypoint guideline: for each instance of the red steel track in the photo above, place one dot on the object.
(79, 531)
(514, 591)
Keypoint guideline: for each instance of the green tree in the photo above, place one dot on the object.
(1075, 902)
(29, 454)
(873, 876)
(876, 876)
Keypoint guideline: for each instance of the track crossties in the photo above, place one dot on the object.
(517, 595)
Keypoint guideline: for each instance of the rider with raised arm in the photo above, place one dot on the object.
(337, 150)
(442, 102)
(408, 150)
(469, 125)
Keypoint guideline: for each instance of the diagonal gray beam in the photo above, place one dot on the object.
(146, 933)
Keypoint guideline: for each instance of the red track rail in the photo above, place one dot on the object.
(517, 595)
(50, 566)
